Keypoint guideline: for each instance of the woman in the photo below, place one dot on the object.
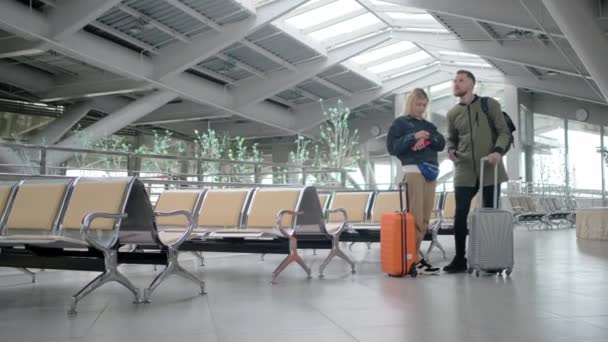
(416, 142)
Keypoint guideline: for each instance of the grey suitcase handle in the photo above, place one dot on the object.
(483, 162)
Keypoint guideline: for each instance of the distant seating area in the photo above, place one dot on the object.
(542, 212)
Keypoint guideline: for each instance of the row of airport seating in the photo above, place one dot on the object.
(83, 223)
(365, 209)
(72, 224)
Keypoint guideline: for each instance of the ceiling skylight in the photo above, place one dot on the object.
(472, 64)
(347, 26)
(416, 17)
(324, 13)
(440, 87)
(380, 53)
(400, 62)
(425, 29)
(343, 22)
(458, 54)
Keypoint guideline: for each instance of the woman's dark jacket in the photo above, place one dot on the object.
(401, 139)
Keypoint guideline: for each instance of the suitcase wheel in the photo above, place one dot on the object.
(470, 270)
(477, 273)
(413, 272)
(508, 271)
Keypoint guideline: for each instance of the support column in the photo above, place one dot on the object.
(579, 23)
(52, 133)
(280, 155)
(529, 141)
(511, 106)
(396, 170)
(115, 121)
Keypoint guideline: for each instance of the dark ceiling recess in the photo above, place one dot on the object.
(207, 77)
(35, 4)
(15, 93)
(29, 108)
(115, 39)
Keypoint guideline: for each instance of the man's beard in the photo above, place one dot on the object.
(459, 93)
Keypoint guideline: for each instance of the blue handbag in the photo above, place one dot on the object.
(429, 171)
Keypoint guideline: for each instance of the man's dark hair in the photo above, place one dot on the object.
(468, 73)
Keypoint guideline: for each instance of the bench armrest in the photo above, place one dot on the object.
(280, 215)
(344, 219)
(188, 231)
(86, 227)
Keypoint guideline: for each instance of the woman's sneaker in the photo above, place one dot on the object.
(424, 267)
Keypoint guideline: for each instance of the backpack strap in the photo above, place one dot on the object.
(485, 108)
(484, 105)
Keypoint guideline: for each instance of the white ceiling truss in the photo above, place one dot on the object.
(272, 62)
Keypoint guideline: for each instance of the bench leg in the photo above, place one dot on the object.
(435, 242)
(173, 268)
(28, 272)
(200, 257)
(336, 251)
(350, 247)
(293, 256)
(110, 274)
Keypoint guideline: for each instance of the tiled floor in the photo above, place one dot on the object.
(558, 292)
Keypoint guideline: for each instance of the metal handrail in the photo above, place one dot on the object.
(157, 156)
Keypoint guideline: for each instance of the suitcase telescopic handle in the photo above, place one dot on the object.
(407, 197)
(483, 163)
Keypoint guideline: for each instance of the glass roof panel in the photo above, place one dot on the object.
(472, 64)
(458, 54)
(382, 52)
(344, 27)
(441, 86)
(324, 13)
(419, 17)
(399, 62)
(425, 29)
(384, 3)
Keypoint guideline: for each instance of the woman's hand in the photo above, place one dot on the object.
(419, 145)
(422, 135)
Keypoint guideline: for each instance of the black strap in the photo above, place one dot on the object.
(484, 105)
(407, 200)
(485, 108)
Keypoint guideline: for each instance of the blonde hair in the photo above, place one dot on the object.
(412, 97)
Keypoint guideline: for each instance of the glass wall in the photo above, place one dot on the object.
(584, 161)
(567, 156)
(549, 150)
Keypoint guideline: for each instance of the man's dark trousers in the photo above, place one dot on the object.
(464, 196)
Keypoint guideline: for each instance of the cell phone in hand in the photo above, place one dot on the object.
(427, 142)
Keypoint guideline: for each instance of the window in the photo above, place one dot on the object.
(549, 150)
(584, 160)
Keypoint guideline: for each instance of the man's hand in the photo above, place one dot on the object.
(419, 145)
(422, 135)
(452, 155)
(494, 158)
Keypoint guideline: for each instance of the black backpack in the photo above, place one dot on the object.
(486, 109)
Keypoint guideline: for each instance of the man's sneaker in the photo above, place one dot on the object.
(426, 268)
(457, 266)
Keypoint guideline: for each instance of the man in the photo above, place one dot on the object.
(471, 137)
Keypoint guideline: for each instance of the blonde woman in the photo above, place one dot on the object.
(416, 142)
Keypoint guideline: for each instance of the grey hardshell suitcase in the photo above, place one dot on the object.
(490, 235)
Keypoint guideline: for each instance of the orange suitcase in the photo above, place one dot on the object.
(398, 242)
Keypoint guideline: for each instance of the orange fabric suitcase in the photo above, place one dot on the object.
(398, 242)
